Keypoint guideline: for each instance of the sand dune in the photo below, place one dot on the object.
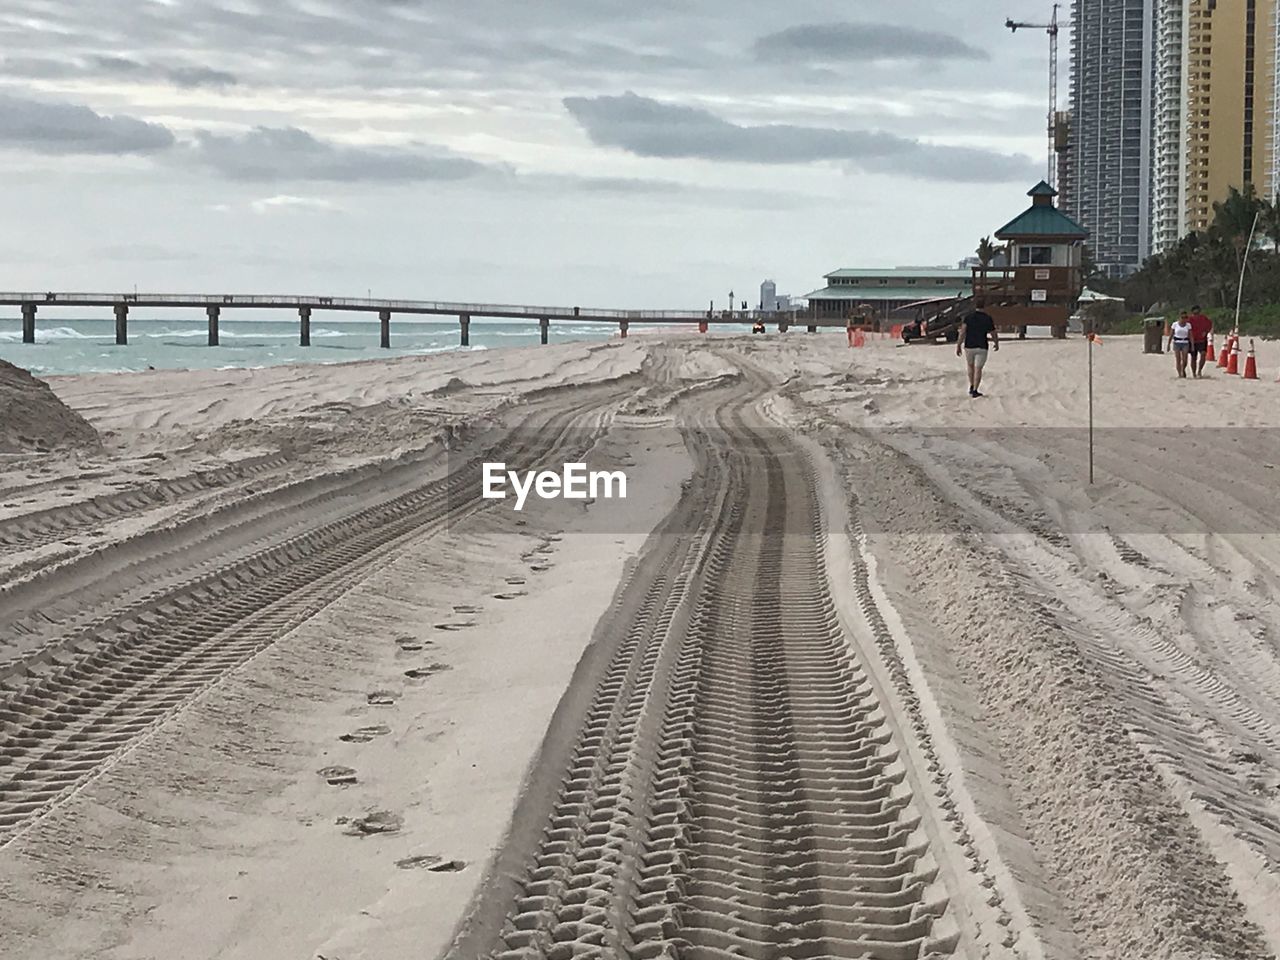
(861, 667)
(33, 418)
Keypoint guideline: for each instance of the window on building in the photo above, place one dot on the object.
(1035, 256)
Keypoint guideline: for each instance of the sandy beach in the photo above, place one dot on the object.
(860, 667)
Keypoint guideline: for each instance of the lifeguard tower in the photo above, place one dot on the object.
(1043, 281)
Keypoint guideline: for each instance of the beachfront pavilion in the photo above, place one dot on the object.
(890, 293)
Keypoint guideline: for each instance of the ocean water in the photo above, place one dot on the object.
(88, 346)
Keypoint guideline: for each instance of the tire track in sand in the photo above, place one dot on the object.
(95, 693)
(733, 790)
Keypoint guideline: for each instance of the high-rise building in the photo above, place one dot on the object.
(1229, 97)
(769, 297)
(1169, 116)
(1215, 109)
(1271, 133)
(1112, 87)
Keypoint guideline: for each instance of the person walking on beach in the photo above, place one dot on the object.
(972, 341)
(1180, 342)
(1201, 328)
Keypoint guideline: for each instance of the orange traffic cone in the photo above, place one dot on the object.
(1251, 364)
(1225, 355)
(1209, 354)
(1233, 361)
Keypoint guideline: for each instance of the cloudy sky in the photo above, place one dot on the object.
(603, 152)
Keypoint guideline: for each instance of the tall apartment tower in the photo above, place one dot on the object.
(1112, 94)
(1170, 119)
(1216, 110)
(1230, 101)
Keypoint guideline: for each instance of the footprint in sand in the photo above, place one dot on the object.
(337, 776)
(455, 626)
(511, 595)
(418, 862)
(365, 734)
(540, 567)
(376, 821)
(431, 669)
(515, 581)
(465, 608)
(427, 861)
(409, 644)
(448, 866)
(382, 698)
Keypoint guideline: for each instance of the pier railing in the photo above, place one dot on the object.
(371, 304)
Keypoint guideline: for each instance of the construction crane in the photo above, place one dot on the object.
(1052, 29)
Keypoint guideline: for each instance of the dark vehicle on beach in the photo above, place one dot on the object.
(937, 319)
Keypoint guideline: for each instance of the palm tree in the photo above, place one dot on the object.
(986, 251)
(1233, 219)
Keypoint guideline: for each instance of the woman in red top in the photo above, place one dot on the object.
(1201, 327)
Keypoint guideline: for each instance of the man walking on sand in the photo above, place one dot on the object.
(1201, 327)
(973, 343)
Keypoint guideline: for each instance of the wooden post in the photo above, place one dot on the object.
(812, 328)
(304, 328)
(384, 322)
(464, 329)
(28, 323)
(122, 323)
(213, 312)
(544, 327)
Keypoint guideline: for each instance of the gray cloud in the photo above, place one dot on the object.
(651, 128)
(96, 66)
(262, 154)
(69, 128)
(270, 154)
(837, 42)
(200, 77)
(181, 76)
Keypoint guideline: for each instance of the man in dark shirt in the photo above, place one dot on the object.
(973, 342)
(1201, 327)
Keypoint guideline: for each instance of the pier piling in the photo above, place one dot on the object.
(122, 323)
(304, 326)
(213, 313)
(464, 323)
(28, 323)
(384, 322)
(544, 327)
